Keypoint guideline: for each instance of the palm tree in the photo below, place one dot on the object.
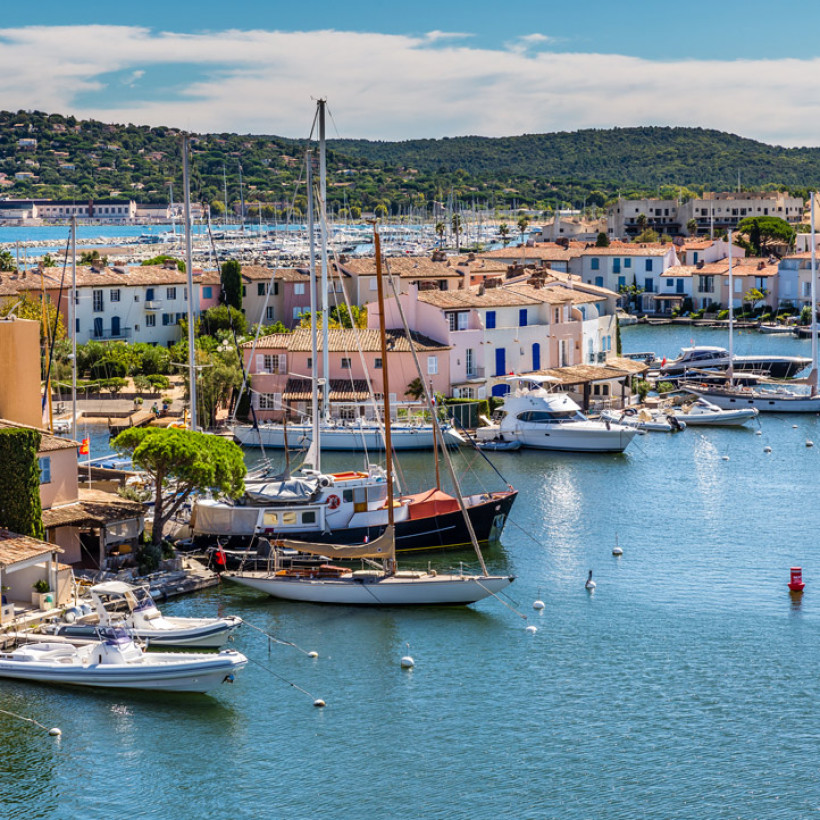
(457, 230)
(523, 224)
(440, 228)
(504, 230)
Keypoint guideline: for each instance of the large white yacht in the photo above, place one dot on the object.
(549, 420)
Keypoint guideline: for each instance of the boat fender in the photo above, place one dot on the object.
(333, 501)
(71, 614)
(228, 679)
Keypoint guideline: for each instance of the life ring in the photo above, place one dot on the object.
(333, 501)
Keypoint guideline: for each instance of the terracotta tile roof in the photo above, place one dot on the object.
(548, 252)
(470, 298)
(345, 341)
(406, 267)
(680, 271)
(15, 548)
(340, 390)
(254, 273)
(553, 295)
(48, 442)
(95, 508)
(630, 250)
(740, 267)
(139, 276)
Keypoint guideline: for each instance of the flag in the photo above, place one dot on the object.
(85, 447)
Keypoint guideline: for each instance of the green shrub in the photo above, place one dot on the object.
(107, 369)
(724, 314)
(159, 381)
(20, 507)
(665, 387)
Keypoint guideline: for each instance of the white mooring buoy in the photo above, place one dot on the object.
(758, 432)
(539, 604)
(616, 550)
(313, 654)
(319, 703)
(794, 427)
(531, 630)
(767, 449)
(590, 584)
(407, 662)
(55, 732)
(725, 458)
(809, 443)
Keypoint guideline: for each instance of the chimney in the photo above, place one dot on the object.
(481, 289)
(761, 264)
(700, 264)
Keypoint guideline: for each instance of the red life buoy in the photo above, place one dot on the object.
(333, 501)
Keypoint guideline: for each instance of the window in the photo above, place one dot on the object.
(627, 263)
(149, 294)
(432, 365)
(377, 364)
(346, 363)
(679, 285)
(621, 281)
(469, 362)
(273, 363)
(114, 295)
(373, 284)
(136, 297)
(490, 322)
(706, 284)
(309, 517)
(616, 265)
(457, 320)
(557, 315)
(288, 518)
(270, 401)
(594, 263)
(522, 317)
(299, 288)
(260, 288)
(170, 293)
(599, 281)
(45, 469)
(98, 301)
(649, 284)
(465, 393)
(167, 319)
(310, 361)
(185, 294)
(244, 290)
(180, 317)
(269, 313)
(76, 325)
(298, 311)
(150, 320)
(649, 264)
(207, 292)
(136, 328)
(695, 258)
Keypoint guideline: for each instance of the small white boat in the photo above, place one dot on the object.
(499, 445)
(650, 421)
(116, 662)
(143, 619)
(704, 413)
(776, 329)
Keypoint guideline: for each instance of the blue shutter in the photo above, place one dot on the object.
(522, 317)
(500, 361)
(490, 319)
(536, 356)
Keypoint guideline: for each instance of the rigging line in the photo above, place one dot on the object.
(284, 680)
(274, 638)
(56, 320)
(478, 449)
(499, 598)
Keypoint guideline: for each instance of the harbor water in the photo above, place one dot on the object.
(685, 686)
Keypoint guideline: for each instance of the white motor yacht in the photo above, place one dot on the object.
(706, 357)
(143, 619)
(547, 420)
(116, 662)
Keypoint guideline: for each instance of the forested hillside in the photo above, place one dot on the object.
(88, 159)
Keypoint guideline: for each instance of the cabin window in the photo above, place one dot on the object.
(288, 519)
(377, 493)
(270, 519)
(347, 496)
(309, 518)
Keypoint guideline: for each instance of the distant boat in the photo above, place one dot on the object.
(705, 413)
(709, 357)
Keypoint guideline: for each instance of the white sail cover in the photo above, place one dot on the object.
(292, 490)
(382, 547)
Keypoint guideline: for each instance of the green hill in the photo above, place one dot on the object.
(84, 159)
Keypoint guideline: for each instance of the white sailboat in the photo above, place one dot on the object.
(776, 399)
(384, 586)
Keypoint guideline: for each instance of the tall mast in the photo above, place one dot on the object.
(314, 342)
(388, 442)
(225, 190)
(813, 377)
(731, 316)
(323, 233)
(189, 269)
(72, 313)
(241, 199)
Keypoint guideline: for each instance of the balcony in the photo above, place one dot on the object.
(111, 333)
(475, 373)
(153, 304)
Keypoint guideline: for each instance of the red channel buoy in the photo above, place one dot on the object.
(796, 584)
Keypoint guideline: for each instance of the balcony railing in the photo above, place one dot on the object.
(475, 373)
(108, 333)
(153, 304)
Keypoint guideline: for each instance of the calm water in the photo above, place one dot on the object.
(684, 687)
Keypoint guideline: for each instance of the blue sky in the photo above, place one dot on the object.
(393, 71)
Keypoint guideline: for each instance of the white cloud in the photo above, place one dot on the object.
(397, 87)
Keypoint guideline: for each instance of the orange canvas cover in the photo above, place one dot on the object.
(430, 503)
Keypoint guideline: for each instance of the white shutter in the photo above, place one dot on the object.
(277, 401)
(260, 363)
(283, 363)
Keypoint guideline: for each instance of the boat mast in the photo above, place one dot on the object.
(189, 270)
(315, 448)
(323, 233)
(813, 377)
(388, 442)
(731, 370)
(73, 327)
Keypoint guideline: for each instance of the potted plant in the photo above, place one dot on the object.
(138, 402)
(42, 597)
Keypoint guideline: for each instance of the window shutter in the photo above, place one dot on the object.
(260, 363)
(283, 363)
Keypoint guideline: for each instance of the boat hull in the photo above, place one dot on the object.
(372, 590)
(214, 636)
(583, 437)
(442, 531)
(350, 439)
(761, 403)
(188, 674)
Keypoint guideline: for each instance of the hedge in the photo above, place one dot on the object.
(20, 507)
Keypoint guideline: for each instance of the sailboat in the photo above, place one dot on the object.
(377, 586)
(346, 507)
(777, 399)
